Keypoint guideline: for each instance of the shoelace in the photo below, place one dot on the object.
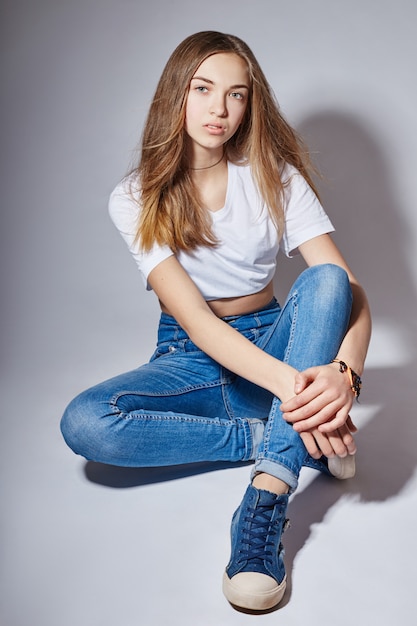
(254, 543)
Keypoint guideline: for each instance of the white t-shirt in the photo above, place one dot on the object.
(244, 261)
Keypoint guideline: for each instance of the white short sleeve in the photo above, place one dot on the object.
(124, 213)
(305, 218)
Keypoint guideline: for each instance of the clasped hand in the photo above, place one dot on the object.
(320, 411)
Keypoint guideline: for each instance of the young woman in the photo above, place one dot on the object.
(222, 181)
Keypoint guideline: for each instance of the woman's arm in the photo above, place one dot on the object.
(182, 299)
(324, 397)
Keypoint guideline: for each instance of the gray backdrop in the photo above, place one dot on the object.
(77, 79)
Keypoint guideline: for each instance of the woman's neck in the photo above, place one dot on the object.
(214, 163)
(211, 174)
(211, 185)
(201, 158)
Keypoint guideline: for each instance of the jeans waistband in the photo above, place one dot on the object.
(271, 306)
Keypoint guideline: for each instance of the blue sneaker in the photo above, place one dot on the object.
(255, 577)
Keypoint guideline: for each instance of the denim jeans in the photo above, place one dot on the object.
(183, 407)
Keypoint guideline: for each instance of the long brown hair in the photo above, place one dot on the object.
(171, 212)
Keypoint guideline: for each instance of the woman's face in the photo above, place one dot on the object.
(217, 101)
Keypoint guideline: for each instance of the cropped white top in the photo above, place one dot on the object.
(244, 261)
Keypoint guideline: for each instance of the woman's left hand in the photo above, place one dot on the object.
(323, 400)
(340, 442)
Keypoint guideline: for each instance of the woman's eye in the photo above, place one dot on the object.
(201, 88)
(237, 95)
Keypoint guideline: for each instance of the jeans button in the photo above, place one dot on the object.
(172, 348)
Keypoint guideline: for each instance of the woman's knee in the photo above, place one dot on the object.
(82, 424)
(328, 283)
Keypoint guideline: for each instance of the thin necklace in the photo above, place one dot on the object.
(197, 169)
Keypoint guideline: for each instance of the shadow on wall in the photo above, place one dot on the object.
(371, 234)
(360, 199)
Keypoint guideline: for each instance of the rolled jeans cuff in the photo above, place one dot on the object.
(274, 468)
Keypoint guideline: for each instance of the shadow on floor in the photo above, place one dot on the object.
(123, 477)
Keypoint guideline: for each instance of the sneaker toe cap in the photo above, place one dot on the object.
(254, 582)
(253, 590)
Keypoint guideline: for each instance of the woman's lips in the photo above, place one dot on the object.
(215, 129)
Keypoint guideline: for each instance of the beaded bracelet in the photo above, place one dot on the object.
(355, 379)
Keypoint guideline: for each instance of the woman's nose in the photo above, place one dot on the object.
(218, 107)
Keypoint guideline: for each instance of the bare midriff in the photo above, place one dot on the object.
(240, 305)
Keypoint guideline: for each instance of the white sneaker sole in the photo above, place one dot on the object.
(253, 591)
(342, 467)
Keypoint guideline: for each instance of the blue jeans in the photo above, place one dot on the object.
(183, 407)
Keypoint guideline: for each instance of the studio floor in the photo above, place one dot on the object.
(89, 545)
